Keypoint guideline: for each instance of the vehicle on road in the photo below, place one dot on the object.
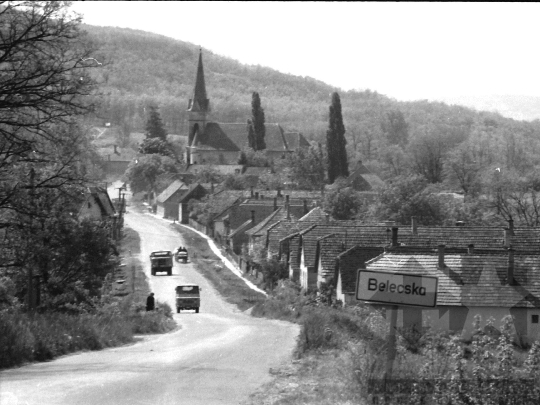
(161, 261)
(188, 296)
(181, 255)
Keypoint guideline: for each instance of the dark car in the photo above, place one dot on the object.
(188, 297)
(161, 261)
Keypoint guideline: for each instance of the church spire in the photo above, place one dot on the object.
(200, 102)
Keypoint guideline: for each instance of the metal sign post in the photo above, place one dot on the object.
(395, 289)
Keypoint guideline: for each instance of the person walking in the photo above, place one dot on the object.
(150, 302)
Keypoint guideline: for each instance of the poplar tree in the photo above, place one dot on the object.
(154, 125)
(252, 142)
(336, 142)
(258, 122)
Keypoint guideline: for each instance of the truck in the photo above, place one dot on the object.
(161, 261)
(188, 296)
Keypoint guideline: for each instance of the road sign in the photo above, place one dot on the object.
(396, 288)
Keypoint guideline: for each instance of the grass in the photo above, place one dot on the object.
(120, 315)
(231, 287)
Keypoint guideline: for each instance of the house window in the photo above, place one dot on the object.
(534, 318)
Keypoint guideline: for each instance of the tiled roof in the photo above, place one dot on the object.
(349, 263)
(295, 140)
(241, 228)
(215, 136)
(472, 279)
(261, 227)
(102, 199)
(350, 235)
(170, 190)
(525, 239)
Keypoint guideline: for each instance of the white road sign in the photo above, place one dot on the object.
(396, 288)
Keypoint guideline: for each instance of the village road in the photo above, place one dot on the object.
(218, 356)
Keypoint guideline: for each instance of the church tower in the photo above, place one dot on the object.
(198, 109)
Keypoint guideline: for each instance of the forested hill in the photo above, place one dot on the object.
(149, 69)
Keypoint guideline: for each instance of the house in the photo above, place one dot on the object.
(220, 143)
(231, 224)
(117, 161)
(362, 179)
(472, 283)
(96, 205)
(173, 201)
(335, 236)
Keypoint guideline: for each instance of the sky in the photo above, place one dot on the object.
(407, 51)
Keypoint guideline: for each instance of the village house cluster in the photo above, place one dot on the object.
(482, 271)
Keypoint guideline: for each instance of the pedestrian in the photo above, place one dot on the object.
(150, 302)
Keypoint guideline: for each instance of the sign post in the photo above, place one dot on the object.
(394, 290)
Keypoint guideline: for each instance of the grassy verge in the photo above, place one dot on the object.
(231, 287)
(342, 357)
(116, 319)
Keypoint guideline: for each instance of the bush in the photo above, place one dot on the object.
(40, 337)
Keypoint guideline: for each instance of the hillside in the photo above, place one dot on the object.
(391, 137)
(526, 108)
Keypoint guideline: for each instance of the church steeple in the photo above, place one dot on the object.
(199, 102)
(198, 109)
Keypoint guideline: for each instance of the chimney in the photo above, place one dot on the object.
(327, 218)
(115, 150)
(279, 192)
(287, 207)
(507, 237)
(510, 276)
(414, 226)
(305, 207)
(394, 237)
(441, 264)
(511, 226)
(256, 195)
(253, 217)
(275, 203)
(251, 191)
(470, 249)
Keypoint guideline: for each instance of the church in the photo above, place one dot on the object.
(213, 143)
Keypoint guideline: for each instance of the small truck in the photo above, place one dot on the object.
(161, 261)
(188, 297)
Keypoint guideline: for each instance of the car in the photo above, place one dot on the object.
(161, 261)
(188, 296)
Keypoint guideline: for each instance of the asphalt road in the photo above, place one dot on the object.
(218, 356)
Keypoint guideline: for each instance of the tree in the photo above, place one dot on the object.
(306, 168)
(406, 197)
(514, 197)
(142, 174)
(154, 125)
(342, 202)
(258, 122)
(44, 85)
(151, 146)
(252, 142)
(336, 142)
(395, 128)
(242, 159)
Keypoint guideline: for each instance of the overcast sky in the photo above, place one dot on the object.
(407, 51)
